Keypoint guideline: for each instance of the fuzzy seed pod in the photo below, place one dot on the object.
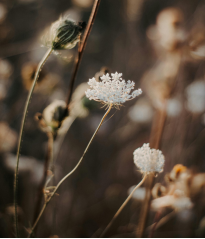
(158, 190)
(64, 34)
(54, 114)
(52, 117)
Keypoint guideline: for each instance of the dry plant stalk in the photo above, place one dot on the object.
(58, 39)
(48, 161)
(149, 161)
(112, 91)
(21, 134)
(71, 172)
(81, 47)
(123, 205)
(155, 139)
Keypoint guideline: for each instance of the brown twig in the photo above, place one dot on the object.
(82, 48)
(162, 221)
(156, 220)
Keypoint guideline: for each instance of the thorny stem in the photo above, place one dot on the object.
(82, 47)
(71, 172)
(21, 134)
(122, 206)
(48, 161)
(155, 139)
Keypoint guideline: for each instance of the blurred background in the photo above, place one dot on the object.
(160, 45)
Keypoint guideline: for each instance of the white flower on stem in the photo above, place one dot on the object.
(112, 90)
(149, 160)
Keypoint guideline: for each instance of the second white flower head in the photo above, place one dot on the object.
(149, 160)
(111, 90)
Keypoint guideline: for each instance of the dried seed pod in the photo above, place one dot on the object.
(28, 72)
(158, 190)
(64, 34)
(176, 172)
(52, 117)
(54, 114)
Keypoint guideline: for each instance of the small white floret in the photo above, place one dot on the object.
(149, 160)
(111, 90)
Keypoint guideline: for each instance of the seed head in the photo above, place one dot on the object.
(111, 90)
(54, 114)
(149, 160)
(64, 34)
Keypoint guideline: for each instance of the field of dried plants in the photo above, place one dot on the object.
(102, 124)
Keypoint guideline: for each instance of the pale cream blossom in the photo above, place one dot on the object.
(149, 160)
(112, 90)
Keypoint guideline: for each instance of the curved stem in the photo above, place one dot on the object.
(21, 133)
(71, 172)
(122, 206)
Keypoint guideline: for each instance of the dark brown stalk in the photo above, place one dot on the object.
(156, 220)
(82, 48)
(155, 140)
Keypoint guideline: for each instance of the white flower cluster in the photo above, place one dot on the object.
(113, 90)
(149, 160)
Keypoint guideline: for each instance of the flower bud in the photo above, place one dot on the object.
(64, 34)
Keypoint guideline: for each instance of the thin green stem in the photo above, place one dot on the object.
(21, 134)
(122, 206)
(71, 172)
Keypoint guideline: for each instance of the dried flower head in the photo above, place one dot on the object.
(52, 117)
(55, 113)
(28, 72)
(149, 160)
(112, 90)
(177, 193)
(47, 82)
(64, 34)
(159, 190)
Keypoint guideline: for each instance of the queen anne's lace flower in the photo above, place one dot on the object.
(149, 160)
(113, 90)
